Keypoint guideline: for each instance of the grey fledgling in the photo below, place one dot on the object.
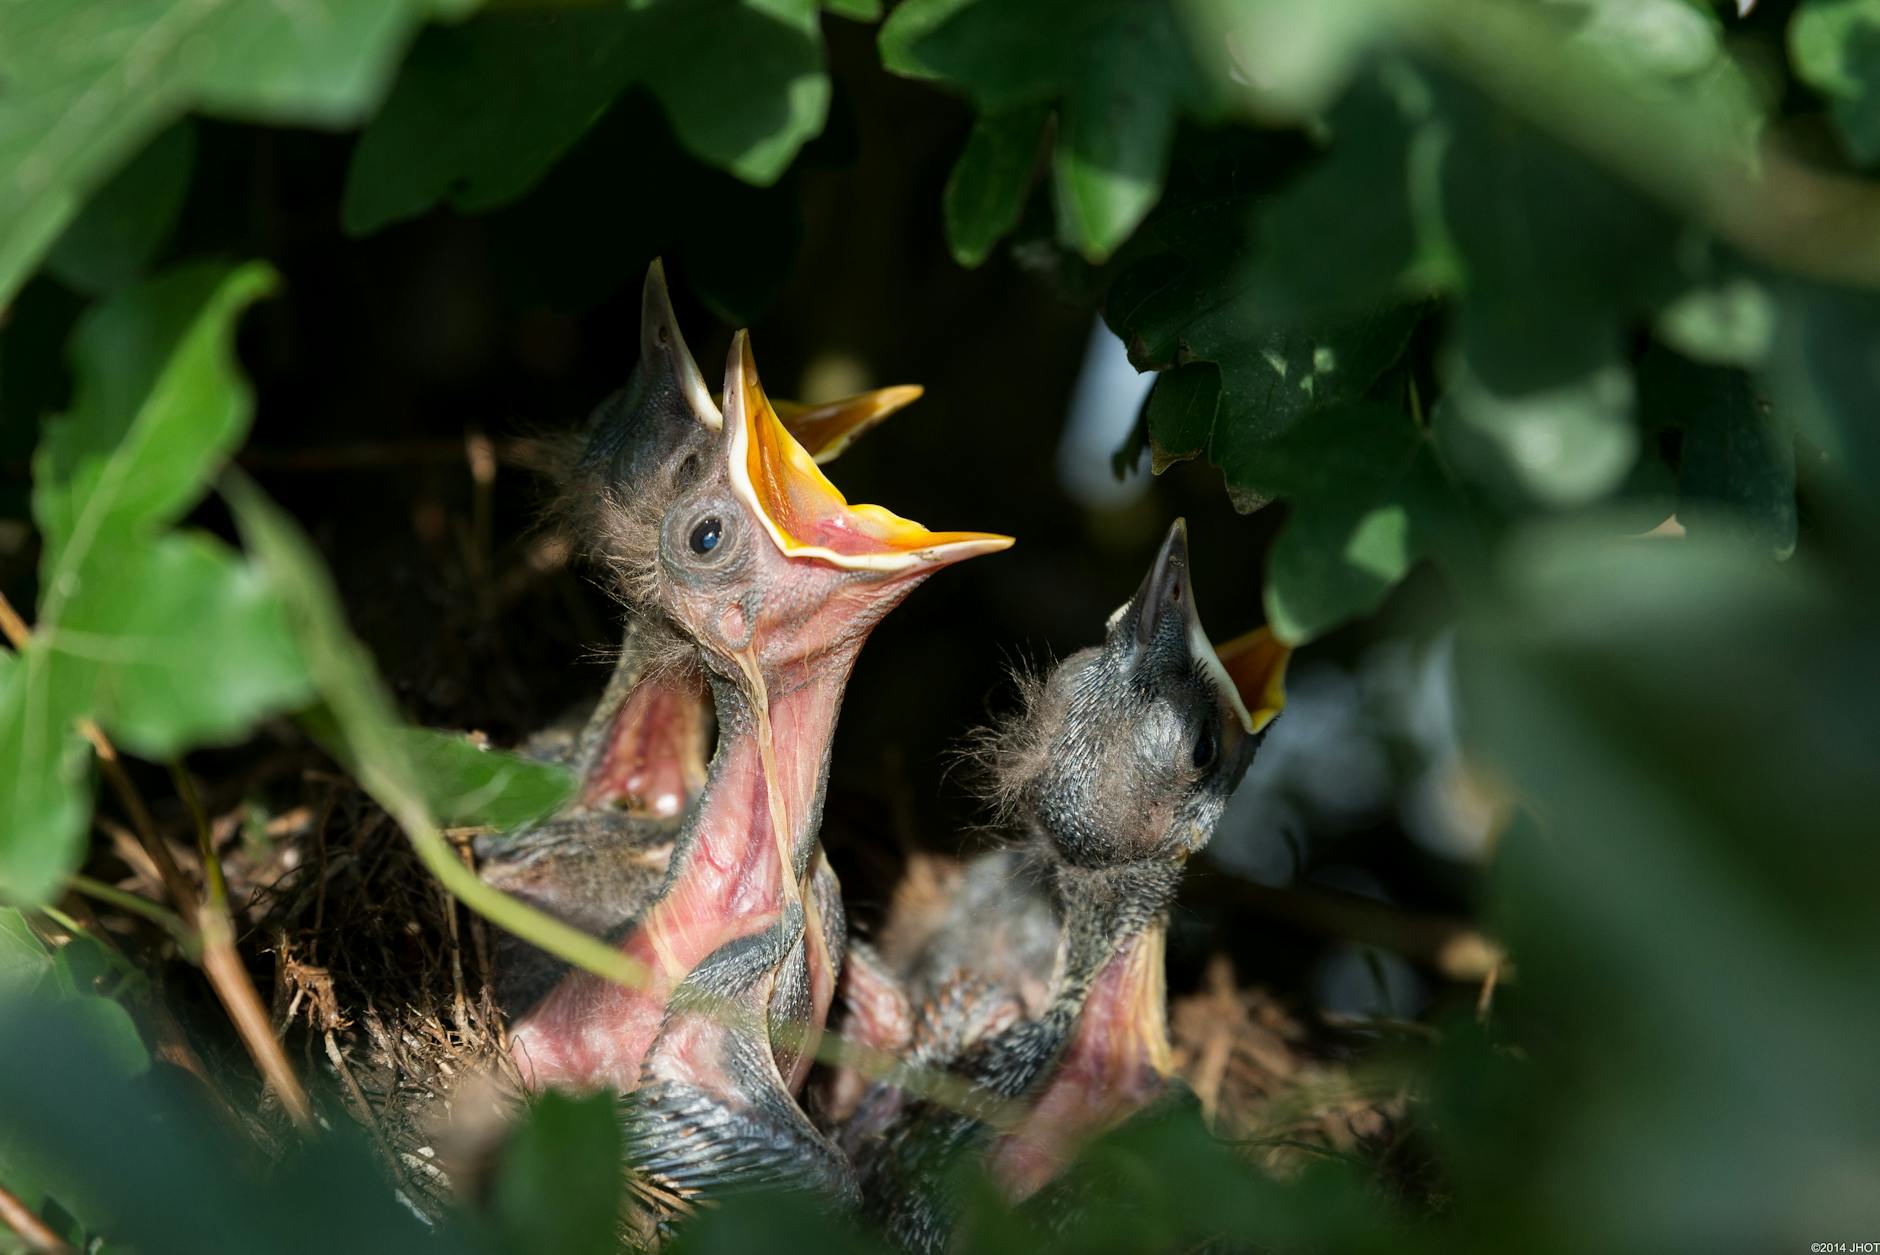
(640, 757)
(1112, 774)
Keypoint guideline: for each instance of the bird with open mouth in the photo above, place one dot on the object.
(775, 581)
(640, 758)
(1113, 773)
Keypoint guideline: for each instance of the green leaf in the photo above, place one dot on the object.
(482, 111)
(473, 785)
(1727, 320)
(181, 641)
(1370, 497)
(985, 195)
(560, 1184)
(24, 960)
(1835, 47)
(1565, 445)
(857, 10)
(1118, 73)
(1698, 900)
(1191, 298)
(167, 640)
(160, 404)
(1362, 226)
(1556, 255)
(1181, 410)
(86, 85)
(46, 769)
(1736, 463)
(128, 220)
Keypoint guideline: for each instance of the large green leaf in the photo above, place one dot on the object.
(560, 1183)
(165, 639)
(985, 195)
(1835, 45)
(87, 84)
(481, 111)
(1696, 904)
(1118, 73)
(128, 219)
(1370, 497)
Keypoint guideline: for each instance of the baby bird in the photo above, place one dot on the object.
(776, 581)
(1113, 773)
(640, 757)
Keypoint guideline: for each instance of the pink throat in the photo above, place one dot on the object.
(729, 882)
(1117, 1062)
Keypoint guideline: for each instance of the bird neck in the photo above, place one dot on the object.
(1105, 911)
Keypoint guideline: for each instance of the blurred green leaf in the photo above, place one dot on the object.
(762, 1220)
(1371, 496)
(144, 1161)
(1118, 74)
(1571, 443)
(129, 218)
(1835, 46)
(1824, 374)
(985, 196)
(86, 85)
(1736, 465)
(482, 111)
(858, 10)
(1691, 871)
(471, 784)
(166, 639)
(561, 1181)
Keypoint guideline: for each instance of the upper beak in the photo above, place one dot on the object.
(805, 515)
(825, 430)
(1250, 671)
(663, 350)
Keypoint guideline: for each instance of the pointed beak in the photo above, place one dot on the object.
(826, 430)
(805, 515)
(1250, 672)
(663, 351)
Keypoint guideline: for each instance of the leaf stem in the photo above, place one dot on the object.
(10, 623)
(169, 921)
(17, 1216)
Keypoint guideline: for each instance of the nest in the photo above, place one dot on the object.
(381, 989)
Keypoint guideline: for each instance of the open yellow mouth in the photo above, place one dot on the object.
(1256, 664)
(805, 514)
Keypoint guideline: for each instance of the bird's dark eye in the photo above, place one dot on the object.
(1204, 749)
(707, 534)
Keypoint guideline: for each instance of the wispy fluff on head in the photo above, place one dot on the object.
(1003, 757)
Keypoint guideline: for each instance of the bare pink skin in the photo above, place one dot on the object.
(655, 756)
(591, 1033)
(1117, 1062)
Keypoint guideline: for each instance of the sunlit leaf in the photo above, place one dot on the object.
(87, 84)
(471, 784)
(166, 640)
